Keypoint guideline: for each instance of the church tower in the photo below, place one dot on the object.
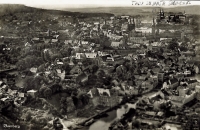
(153, 28)
(162, 14)
(131, 24)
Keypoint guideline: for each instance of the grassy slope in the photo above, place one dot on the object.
(136, 10)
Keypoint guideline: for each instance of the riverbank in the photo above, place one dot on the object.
(117, 113)
(78, 122)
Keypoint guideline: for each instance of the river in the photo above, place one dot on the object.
(104, 123)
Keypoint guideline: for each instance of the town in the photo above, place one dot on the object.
(62, 70)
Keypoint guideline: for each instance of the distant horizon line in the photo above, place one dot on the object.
(74, 4)
(85, 7)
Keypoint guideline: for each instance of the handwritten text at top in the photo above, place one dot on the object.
(160, 3)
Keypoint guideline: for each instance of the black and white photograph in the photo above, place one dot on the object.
(99, 65)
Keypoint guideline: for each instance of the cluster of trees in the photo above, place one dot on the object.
(35, 57)
(28, 62)
(33, 83)
(174, 46)
(63, 105)
(80, 100)
(45, 91)
(34, 122)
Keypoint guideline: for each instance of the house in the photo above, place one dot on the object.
(27, 44)
(54, 40)
(115, 44)
(103, 91)
(80, 56)
(12, 92)
(32, 93)
(21, 95)
(76, 70)
(2, 83)
(91, 55)
(138, 40)
(150, 73)
(115, 82)
(183, 90)
(82, 78)
(179, 76)
(84, 42)
(47, 40)
(94, 95)
(5, 101)
(33, 70)
(58, 71)
(59, 62)
(76, 48)
(68, 41)
(71, 63)
(4, 88)
(107, 58)
(192, 83)
(101, 96)
(141, 77)
(173, 83)
(182, 100)
(61, 73)
(188, 53)
(55, 36)
(35, 39)
(197, 89)
(130, 56)
(152, 59)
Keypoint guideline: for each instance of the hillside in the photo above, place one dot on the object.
(137, 10)
(100, 11)
(15, 8)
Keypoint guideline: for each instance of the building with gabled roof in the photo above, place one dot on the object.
(115, 44)
(173, 83)
(197, 89)
(91, 55)
(80, 56)
(76, 70)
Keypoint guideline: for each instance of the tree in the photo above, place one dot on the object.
(46, 55)
(136, 123)
(86, 62)
(21, 65)
(37, 81)
(84, 99)
(92, 79)
(56, 88)
(28, 116)
(121, 70)
(94, 68)
(104, 41)
(28, 62)
(173, 45)
(28, 83)
(182, 48)
(75, 101)
(42, 89)
(101, 73)
(66, 67)
(55, 56)
(41, 68)
(47, 92)
(62, 100)
(63, 111)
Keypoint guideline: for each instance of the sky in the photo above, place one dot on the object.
(56, 4)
